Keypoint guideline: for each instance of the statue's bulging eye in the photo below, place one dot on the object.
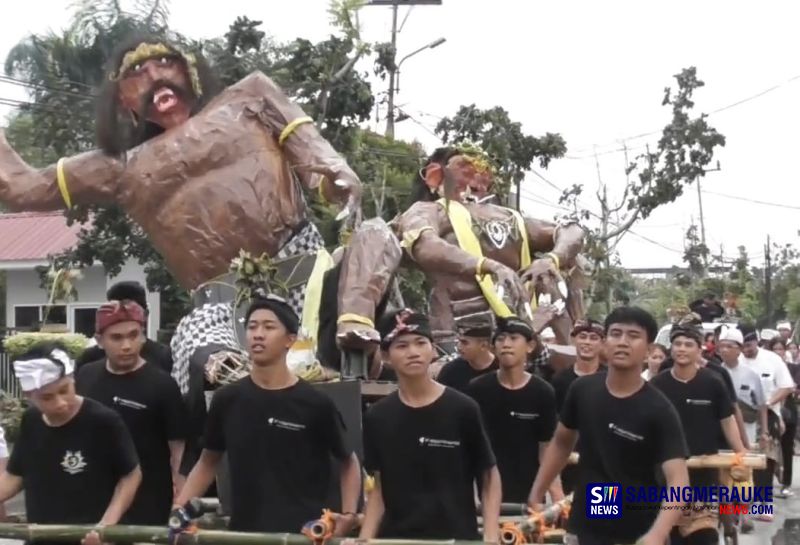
(163, 60)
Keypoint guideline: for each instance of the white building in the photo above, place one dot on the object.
(26, 241)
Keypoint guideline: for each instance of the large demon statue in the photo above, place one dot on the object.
(206, 174)
(472, 252)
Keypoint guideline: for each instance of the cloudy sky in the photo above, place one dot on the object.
(592, 71)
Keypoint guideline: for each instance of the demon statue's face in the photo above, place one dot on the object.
(159, 84)
(472, 179)
(462, 177)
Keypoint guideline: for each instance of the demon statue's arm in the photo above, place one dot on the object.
(308, 152)
(89, 177)
(421, 232)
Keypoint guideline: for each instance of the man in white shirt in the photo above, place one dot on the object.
(777, 384)
(746, 383)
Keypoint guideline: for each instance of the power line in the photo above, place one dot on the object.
(754, 201)
(712, 112)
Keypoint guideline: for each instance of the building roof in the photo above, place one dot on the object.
(33, 236)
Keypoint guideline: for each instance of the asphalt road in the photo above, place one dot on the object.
(772, 533)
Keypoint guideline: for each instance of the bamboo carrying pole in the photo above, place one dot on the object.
(719, 460)
(158, 534)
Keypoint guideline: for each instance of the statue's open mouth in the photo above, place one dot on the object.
(164, 99)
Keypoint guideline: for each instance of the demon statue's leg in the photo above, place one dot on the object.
(368, 266)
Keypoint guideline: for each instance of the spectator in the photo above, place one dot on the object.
(708, 308)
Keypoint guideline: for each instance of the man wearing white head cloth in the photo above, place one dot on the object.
(746, 382)
(74, 457)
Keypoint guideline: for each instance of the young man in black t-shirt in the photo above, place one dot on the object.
(153, 352)
(280, 435)
(704, 407)
(588, 336)
(149, 402)
(426, 447)
(73, 457)
(628, 431)
(475, 358)
(519, 410)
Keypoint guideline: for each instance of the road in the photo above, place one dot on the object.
(763, 534)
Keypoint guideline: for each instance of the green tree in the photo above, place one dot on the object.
(653, 179)
(696, 253)
(512, 151)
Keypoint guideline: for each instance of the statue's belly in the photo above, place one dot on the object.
(209, 188)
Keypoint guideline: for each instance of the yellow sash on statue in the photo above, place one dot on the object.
(461, 220)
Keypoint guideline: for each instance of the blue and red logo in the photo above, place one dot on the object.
(603, 501)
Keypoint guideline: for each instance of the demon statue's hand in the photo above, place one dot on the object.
(508, 282)
(345, 191)
(539, 269)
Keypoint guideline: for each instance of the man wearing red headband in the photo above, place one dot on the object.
(146, 398)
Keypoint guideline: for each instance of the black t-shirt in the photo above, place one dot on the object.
(69, 472)
(715, 366)
(429, 459)
(562, 381)
(517, 421)
(458, 373)
(701, 404)
(158, 354)
(279, 445)
(622, 440)
(150, 403)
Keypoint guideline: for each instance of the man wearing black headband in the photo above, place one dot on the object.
(519, 410)
(587, 336)
(475, 358)
(426, 447)
(704, 409)
(279, 434)
(627, 430)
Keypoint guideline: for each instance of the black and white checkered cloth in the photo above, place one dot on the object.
(214, 323)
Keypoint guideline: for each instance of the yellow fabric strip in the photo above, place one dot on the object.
(461, 220)
(291, 127)
(525, 253)
(356, 319)
(62, 183)
(310, 319)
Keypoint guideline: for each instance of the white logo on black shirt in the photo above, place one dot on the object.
(128, 403)
(624, 433)
(524, 416)
(440, 443)
(73, 462)
(698, 401)
(283, 424)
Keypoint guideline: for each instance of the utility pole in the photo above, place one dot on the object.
(390, 117)
(392, 76)
(702, 219)
(768, 279)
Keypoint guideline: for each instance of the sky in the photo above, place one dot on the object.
(592, 71)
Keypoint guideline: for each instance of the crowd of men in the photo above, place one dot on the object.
(103, 443)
